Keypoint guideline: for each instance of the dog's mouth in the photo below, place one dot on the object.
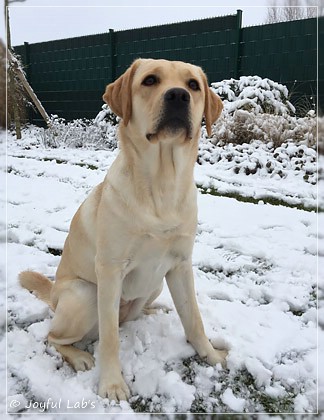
(171, 127)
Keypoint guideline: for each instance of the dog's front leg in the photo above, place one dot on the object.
(181, 284)
(111, 384)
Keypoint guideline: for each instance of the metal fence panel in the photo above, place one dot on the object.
(70, 75)
(285, 52)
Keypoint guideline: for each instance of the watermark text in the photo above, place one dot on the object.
(49, 405)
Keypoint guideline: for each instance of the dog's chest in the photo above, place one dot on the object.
(151, 261)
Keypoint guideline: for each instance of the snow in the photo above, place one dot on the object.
(234, 403)
(255, 267)
(259, 171)
(254, 94)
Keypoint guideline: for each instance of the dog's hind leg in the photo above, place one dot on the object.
(150, 308)
(75, 316)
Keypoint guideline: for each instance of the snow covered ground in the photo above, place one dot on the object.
(255, 268)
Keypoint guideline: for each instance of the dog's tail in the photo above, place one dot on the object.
(37, 283)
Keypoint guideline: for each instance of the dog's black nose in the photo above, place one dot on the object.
(177, 96)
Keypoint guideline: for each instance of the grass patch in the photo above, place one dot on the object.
(277, 405)
(297, 312)
(56, 160)
(267, 200)
(87, 165)
(59, 161)
(243, 386)
(257, 401)
(259, 266)
(54, 251)
(142, 405)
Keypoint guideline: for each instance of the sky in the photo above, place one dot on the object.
(38, 20)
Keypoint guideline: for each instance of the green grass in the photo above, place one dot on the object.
(88, 166)
(267, 200)
(56, 160)
(277, 405)
(242, 385)
(81, 164)
(54, 251)
(59, 161)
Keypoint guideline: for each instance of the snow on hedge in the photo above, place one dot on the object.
(99, 133)
(255, 95)
(244, 127)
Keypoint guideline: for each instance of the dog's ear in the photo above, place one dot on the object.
(118, 95)
(213, 106)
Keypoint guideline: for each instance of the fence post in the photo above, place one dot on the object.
(112, 37)
(238, 42)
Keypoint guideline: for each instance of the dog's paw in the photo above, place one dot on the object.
(215, 356)
(114, 390)
(82, 360)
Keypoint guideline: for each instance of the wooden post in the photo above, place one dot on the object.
(16, 70)
(29, 90)
(14, 102)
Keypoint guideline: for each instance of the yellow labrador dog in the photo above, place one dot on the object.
(138, 226)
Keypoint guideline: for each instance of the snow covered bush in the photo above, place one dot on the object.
(255, 95)
(262, 159)
(96, 134)
(259, 109)
(99, 133)
(244, 127)
(106, 116)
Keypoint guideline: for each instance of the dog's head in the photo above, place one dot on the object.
(161, 98)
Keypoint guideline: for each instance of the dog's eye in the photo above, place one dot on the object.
(150, 80)
(193, 84)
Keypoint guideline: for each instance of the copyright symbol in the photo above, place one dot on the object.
(14, 404)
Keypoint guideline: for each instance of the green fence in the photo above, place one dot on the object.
(70, 75)
(285, 52)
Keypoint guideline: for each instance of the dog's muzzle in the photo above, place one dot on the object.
(176, 113)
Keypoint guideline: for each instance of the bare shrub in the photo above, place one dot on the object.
(78, 133)
(244, 127)
(321, 135)
(281, 11)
